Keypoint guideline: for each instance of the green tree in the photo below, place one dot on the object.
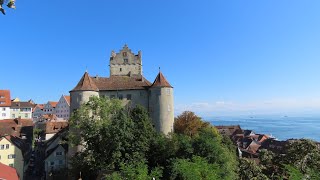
(303, 154)
(196, 168)
(8, 3)
(114, 135)
(249, 170)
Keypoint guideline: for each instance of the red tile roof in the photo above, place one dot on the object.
(5, 99)
(161, 81)
(86, 84)
(55, 126)
(67, 98)
(15, 127)
(21, 105)
(8, 173)
(53, 104)
(40, 106)
(121, 82)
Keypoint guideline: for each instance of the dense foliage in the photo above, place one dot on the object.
(121, 143)
(301, 160)
(8, 3)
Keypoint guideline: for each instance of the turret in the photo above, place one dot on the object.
(82, 92)
(161, 104)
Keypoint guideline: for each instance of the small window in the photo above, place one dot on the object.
(60, 162)
(120, 69)
(52, 163)
(26, 115)
(3, 109)
(128, 96)
(58, 153)
(7, 146)
(124, 54)
(3, 114)
(1, 96)
(168, 91)
(0, 157)
(125, 60)
(13, 116)
(1, 102)
(11, 156)
(120, 96)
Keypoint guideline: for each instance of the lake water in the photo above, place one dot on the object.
(281, 127)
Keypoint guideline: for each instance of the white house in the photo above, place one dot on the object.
(63, 107)
(37, 112)
(49, 108)
(5, 103)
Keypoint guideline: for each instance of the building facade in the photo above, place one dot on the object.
(5, 104)
(50, 107)
(11, 152)
(62, 109)
(21, 110)
(127, 83)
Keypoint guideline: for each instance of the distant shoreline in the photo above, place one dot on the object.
(282, 128)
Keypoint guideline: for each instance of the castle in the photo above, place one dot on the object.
(126, 82)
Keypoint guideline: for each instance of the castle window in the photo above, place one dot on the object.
(120, 96)
(125, 60)
(120, 69)
(168, 91)
(124, 54)
(128, 96)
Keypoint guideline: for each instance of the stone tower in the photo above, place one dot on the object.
(82, 92)
(79, 95)
(161, 104)
(125, 63)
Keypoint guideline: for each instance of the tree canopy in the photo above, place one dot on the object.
(8, 3)
(121, 143)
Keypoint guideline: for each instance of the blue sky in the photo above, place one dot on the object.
(222, 57)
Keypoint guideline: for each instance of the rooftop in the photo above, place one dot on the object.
(5, 99)
(8, 173)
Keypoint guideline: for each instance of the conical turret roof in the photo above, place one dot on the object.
(161, 81)
(86, 84)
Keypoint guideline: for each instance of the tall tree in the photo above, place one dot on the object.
(112, 135)
(188, 123)
(8, 3)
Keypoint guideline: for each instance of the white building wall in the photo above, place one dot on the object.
(37, 113)
(48, 109)
(5, 113)
(63, 109)
(25, 113)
